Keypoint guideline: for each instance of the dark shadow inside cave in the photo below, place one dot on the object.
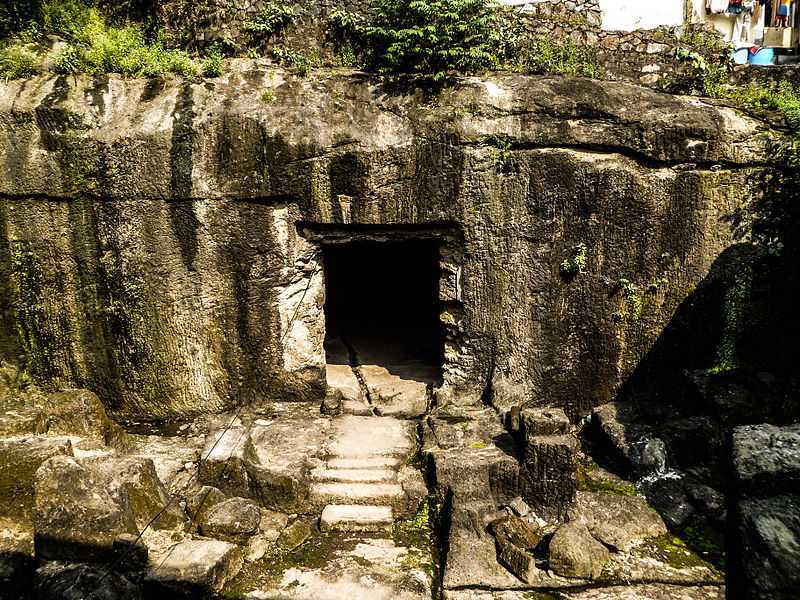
(382, 303)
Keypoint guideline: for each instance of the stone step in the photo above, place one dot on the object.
(369, 462)
(362, 437)
(354, 475)
(380, 494)
(359, 409)
(356, 517)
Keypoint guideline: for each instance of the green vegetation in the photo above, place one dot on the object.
(433, 38)
(273, 18)
(559, 58)
(95, 47)
(298, 62)
(212, 64)
(418, 535)
(633, 300)
(673, 551)
(17, 61)
(575, 263)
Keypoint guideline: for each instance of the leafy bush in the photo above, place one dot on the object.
(68, 61)
(17, 61)
(212, 64)
(124, 50)
(434, 37)
(273, 18)
(69, 19)
(347, 30)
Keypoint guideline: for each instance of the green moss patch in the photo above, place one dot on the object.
(673, 551)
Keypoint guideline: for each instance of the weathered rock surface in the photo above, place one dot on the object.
(550, 476)
(203, 500)
(76, 516)
(193, 568)
(233, 520)
(281, 460)
(83, 504)
(294, 535)
(769, 547)
(766, 459)
(573, 552)
(20, 457)
(617, 521)
(630, 439)
(267, 460)
(68, 581)
(394, 395)
(178, 202)
(354, 517)
(766, 462)
(272, 524)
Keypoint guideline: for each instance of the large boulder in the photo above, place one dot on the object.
(766, 463)
(233, 520)
(78, 412)
(193, 569)
(83, 504)
(20, 457)
(267, 461)
(617, 521)
(71, 581)
(766, 459)
(224, 464)
(768, 548)
(573, 552)
(628, 439)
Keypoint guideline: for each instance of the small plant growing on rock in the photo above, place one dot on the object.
(297, 62)
(630, 292)
(576, 263)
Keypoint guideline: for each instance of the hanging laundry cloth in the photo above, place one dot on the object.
(718, 6)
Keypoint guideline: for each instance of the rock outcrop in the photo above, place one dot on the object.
(164, 235)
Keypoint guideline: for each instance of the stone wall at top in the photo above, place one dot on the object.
(647, 57)
(151, 242)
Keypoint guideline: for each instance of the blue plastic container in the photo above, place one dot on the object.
(764, 56)
(740, 56)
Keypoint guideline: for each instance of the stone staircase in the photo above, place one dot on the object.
(360, 487)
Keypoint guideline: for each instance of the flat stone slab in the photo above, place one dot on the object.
(206, 563)
(370, 462)
(322, 494)
(392, 395)
(353, 475)
(355, 517)
(341, 377)
(654, 591)
(358, 408)
(367, 437)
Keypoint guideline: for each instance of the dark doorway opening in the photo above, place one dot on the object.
(382, 304)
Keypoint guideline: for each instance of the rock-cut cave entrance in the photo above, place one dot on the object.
(382, 305)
